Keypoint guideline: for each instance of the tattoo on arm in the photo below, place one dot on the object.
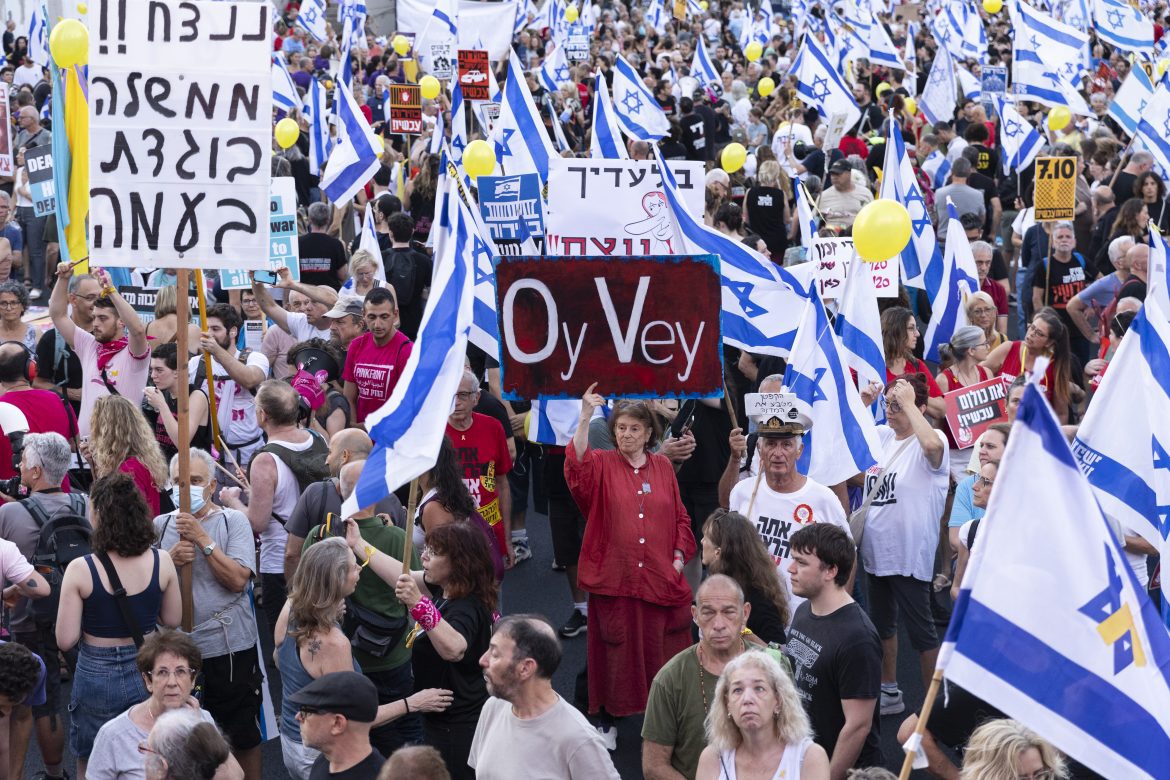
(31, 584)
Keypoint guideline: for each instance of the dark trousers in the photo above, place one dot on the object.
(453, 741)
(394, 684)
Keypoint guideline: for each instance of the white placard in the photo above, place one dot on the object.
(442, 60)
(6, 164)
(180, 116)
(831, 258)
(616, 207)
(836, 131)
(764, 406)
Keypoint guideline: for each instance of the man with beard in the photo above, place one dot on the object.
(237, 374)
(525, 721)
(375, 359)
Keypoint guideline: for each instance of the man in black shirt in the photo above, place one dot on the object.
(322, 255)
(992, 207)
(834, 648)
(694, 131)
(335, 713)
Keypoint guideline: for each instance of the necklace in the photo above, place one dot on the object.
(702, 674)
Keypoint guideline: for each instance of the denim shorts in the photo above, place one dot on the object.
(107, 683)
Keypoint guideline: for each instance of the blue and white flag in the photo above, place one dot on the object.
(438, 134)
(1124, 26)
(1020, 142)
(555, 70)
(320, 140)
(881, 49)
(285, 95)
(910, 51)
(819, 83)
(407, 430)
(459, 139)
(948, 304)
(939, 96)
(312, 18)
(1130, 101)
(1051, 626)
(345, 68)
(554, 421)
(638, 114)
(948, 32)
(558, 130)
(1152, 129)
(520, 24)
(843, 440)
(762, 302)
(859, 326)
(656, 16)
(352, 16)
(606, 140)
(938, 167)
(38, 36)
(969, 84)
(702, 68)
(1047, 59)
(922, 263)
(355, 158)
(804, 214)
(522, 145)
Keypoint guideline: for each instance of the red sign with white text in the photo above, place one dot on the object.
(972, 408)
(473, 74)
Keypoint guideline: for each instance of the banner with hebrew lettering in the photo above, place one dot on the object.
(180, 116)
(616, 207)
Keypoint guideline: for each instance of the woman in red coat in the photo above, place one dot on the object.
(637, 538)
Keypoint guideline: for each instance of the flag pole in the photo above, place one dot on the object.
(914, 745)
(1121, 157)
(756, 487)
(183, 323)
(182, 394)
(408, 543)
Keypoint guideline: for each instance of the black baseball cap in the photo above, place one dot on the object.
(344, 693)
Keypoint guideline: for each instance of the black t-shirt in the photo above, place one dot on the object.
(65, 372)
(986, 162)
(765, 213)
(999, 269)
(694, 136)
(711, 428)
(367, 769)
(673, 150)
(1123, 187)
(987, 186)
(834, 657)
(494, 407)
(408, 285)
(710, 126)
(1063, 281)
(1133, 288)
(473, 620)
(956, 714)
(764, 620)
(322, 256)
(323, 498)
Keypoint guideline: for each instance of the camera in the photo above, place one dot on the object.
(11, 486)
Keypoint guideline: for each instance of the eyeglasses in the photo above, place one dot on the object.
(984, 481)
(466, 395)
(430, 552)
(307, 711)
(91, 298)
(9, 304)
(982, 310)
(180, 673)
(1033, 329)
(1039, 774)
(145, 748)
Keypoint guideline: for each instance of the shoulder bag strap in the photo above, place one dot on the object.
(120, 597)
(857, 517)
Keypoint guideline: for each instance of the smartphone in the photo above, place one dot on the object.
(265, 277)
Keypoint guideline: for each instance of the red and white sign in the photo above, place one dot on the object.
(473, 74)
(405, 109)
(971, 409)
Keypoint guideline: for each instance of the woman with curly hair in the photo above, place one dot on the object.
(757, 726)
(1005, 749)
(120, 439)
(107, 681)
(732, 546)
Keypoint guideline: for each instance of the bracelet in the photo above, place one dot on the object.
(107, 292)
(426, 614)
(406, 703)
(368, 551)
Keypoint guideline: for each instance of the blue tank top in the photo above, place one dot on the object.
(101, 617)
(293, 677)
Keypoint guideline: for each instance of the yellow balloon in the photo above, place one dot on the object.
(881, 230)
(703, 5)
(753, 51)
(911, 106)
(765, 86)
(1058, 118)
(479, 159)
(882, 89)
(400, 45)
(429, 87)
(69, 43)
(286, 132)
(992, 6)
(733, 157)
(82, 8)
(328, 84)
(571, 14)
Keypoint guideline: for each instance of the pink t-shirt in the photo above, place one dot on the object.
(127, 374)
(375, 370)
(144, 482)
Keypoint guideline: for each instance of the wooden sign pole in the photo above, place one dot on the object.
(186, 572)
(408, 544)
(211, 413)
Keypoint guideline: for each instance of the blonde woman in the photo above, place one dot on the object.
(164, 328)
(757, 727)
(1005, 749)
(362, 268)
(981, 311)
(766, 207)
(120, 439)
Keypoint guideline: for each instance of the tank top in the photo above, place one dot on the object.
(954, 383)
(100, 615)
(293, 677)
(1013, 366)
(787, 769)
(201, 439)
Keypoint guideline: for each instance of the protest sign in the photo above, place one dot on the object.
(473, 74)
(507, 201)
(765, 406)
(1056, 188)
(993, 81)
(577, 43)
(832, 257)
(616, 207)
(283, 245)
(405, 109)
(180, 151)
(142, 301)
(5, 133)
(639, 326)
(972, 408)
(838, 124)
(39, 164)
(442, 60)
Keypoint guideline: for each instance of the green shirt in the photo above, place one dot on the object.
(675, 710)
(375, 593)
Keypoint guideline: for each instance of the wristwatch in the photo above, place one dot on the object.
(209, 549)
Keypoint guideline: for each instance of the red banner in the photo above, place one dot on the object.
(473, 74)
(638, 326)
(405, 109)
(971, 409)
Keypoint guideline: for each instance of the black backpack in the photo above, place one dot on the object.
(308, 466)
(400, 271)
(65, 536)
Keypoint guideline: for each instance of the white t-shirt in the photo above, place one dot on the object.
(777, 516)
(235, 407)
(300, 329)
(901, 528)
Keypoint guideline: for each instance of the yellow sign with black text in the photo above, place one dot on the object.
(1056, 188)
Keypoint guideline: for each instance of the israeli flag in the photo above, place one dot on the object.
(355, 158)
(1051, 626)
(312, 18)
(521, 22)
(960, 279)
(522, 145)
(555, 70)
(345, 68)
(554, 421)
(969, 84)
(284, 90)
(1153, 124)
(843, 440)
(1130, 101)
(638, 114)
(352, 15)
(820, 84)
(459, 139)
(762, 302)
(922, 263)
(1047, 59)
(702, 68)
(1122, 25)
(438, 135)
(408, 430)
(858, 324)
(939, 95)
(1020, 142)
(881, 49)
(804, 214)
(606, 140)
(369, 242)
(656, 17)
(320, 141)
(942, 169)
(948, 33)
(910, 53)
(38, 36)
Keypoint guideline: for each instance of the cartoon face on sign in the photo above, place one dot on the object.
(657, 222)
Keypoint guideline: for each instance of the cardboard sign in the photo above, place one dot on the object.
(442, 60)
(971, 409)
(679, 9)
(993, 81)
(639, 326)
(764, 406)
(39, 164)
(179, 155)
(405, 109)
(473, 74)
(577, 44)
(283, 244)
(6, 166)
(832, 257)
(836, 131)
(1056, 188)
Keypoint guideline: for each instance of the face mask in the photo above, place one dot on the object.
(196, 491)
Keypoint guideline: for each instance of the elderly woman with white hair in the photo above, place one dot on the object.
(982, 313)
(1086, 308)
(363, 267)
(757, 726)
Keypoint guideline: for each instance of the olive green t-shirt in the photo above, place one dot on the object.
(675, 710)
